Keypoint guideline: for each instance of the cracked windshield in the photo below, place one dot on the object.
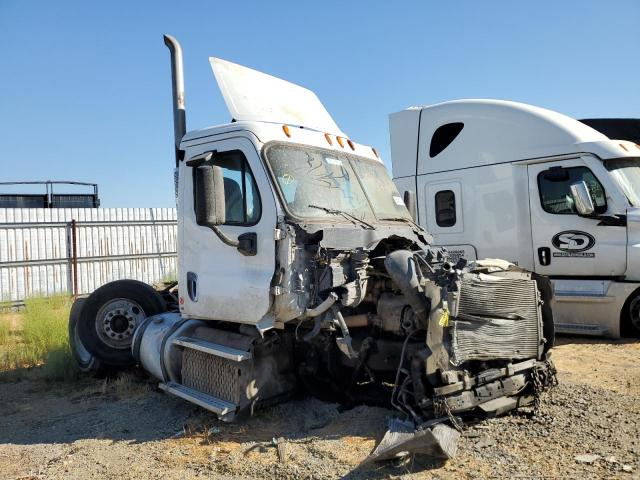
(317, 183)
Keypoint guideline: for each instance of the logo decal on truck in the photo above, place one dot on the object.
(573, 243)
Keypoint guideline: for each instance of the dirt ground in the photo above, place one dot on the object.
(589, 428)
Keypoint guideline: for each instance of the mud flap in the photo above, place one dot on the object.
(436, 440)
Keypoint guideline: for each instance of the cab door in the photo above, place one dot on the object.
(442, 213)
(219, 281)
(564, 243)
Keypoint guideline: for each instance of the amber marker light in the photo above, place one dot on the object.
(623, 147)
(340, 141)
(327, 137)
(351, 144)
(285, 129)
(375, 152)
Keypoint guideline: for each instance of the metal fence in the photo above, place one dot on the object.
(52, 251)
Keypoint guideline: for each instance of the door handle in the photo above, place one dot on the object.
(248, 244)
(544, 256)
(192, 286)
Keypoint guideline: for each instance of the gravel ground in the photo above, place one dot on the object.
(589, 428)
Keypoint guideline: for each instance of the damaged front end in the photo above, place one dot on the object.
(373, 316)
(399, 326)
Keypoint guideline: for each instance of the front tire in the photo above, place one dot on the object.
(86, 361)
(107, 320)
(630, 318)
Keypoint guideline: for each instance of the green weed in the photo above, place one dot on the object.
(41, 340)
(170, 277)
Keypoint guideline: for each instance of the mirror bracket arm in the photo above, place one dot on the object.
(223, 237)
(201, 159)
(247, 243)
(616, 220)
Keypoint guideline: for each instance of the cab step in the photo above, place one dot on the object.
(211, 348)
(213, 404)
(577, 329)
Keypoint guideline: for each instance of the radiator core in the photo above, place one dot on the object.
(497, 318)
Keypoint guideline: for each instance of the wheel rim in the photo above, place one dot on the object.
(117, 320)
(634, 313)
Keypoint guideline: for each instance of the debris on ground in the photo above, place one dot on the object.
(435, 440)
(587, 458)
(80, 430)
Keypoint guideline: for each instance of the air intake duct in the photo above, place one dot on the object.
(403, 270)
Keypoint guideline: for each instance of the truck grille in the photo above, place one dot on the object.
(213, 375)
(497, 318)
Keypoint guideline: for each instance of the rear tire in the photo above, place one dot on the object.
(106, 322)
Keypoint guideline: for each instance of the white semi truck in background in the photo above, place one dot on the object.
(537, 188)
(300, 268)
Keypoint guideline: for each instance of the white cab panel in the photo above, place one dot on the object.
(493, 207)
(591, 302)
(633, 244)
(230, 286)
(570, 245)
(403, 132)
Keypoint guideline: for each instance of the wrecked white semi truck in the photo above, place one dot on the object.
(300, 268)
(537, 188)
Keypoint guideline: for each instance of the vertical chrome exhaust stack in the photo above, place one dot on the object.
(177, 80)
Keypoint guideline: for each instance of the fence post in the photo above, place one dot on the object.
(74, 258)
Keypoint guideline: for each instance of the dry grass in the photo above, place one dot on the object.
(129, 384)
(37, 338)
(5, 329)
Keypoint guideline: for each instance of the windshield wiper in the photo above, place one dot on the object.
(348, 216)
(403, 219)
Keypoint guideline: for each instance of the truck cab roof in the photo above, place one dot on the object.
(469, 133)
(266, 132)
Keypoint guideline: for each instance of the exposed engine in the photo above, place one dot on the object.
(406, 328)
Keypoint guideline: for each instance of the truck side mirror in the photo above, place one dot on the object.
(209, 195)
(582, 199)
(410, 203)
(556, 174)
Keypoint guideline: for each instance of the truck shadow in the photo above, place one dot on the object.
(392, 469)
(562, 339)
(37, 411)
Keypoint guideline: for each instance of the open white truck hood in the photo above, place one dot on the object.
(255, 96)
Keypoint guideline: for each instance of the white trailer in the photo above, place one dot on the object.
(540, 189)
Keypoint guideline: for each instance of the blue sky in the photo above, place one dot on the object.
(86, 95)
